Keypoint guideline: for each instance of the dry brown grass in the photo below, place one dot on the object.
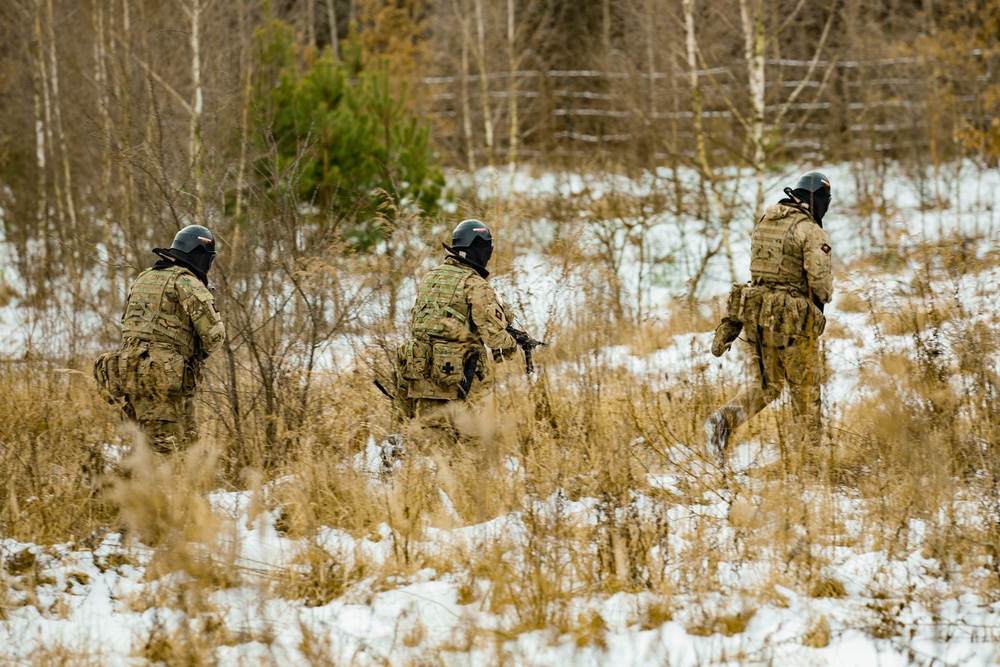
(818, 633)
(53, 427)
(852, 302)
(724, 624)
(918, 450)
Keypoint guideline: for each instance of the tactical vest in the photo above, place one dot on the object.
(153, 313)
(441, 297)
(776, 260)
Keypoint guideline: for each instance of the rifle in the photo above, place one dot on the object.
(468, 372)
(526, 343)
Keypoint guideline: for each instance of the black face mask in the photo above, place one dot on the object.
(818, 203)
(199, 261)
(480, 251)
(477, 255)
(821, 202)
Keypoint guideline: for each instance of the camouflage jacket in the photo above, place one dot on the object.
(171, 308)
(789, 249)
(791, 270)
(456, 314)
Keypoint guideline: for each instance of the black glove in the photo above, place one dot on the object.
(727, 331)
(523, 340)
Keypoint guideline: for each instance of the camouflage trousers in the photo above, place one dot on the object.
(168, 421)
(441, 422)
(775, 361)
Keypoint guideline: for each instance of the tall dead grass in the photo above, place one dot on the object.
(56, 440)
(568, 465)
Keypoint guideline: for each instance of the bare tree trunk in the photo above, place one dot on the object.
(57, 115)
(464, 88)
(232, 387)
(606, 27)
(754, 44)
(331, 16)
(102, 81)
(69, 229)
(43, 79)
(512, 91)
(651, 32)
(129, 213)
(151, 138)
(484, 82)
(311, 23)
(247, 72)
(197, 105)
(696, 107)
(41, 146)
(707, 177)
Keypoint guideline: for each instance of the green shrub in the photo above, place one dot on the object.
(352, 146)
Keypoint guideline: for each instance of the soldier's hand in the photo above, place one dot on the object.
(524, 341)
(727, 332)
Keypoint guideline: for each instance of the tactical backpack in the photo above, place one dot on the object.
(435, 362)
(779, 309)
(153, 313)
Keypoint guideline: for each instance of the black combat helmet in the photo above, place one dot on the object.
(195, 245)
(814, 189)
(468, 231)
(473, 242)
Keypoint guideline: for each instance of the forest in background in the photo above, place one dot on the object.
(123, 121)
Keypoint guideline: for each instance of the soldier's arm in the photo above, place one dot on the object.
(507, 311)
(489, 317)
(199, 304)
(817, 256)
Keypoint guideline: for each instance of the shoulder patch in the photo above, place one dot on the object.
(826, 248)
(498, 314)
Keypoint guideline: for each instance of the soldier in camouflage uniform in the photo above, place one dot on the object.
(170, 326)
(781, 310)
(457, 322)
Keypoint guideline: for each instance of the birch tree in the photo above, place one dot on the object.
(57, 121)
(717, 208)
(102, 84)
(464, 85)
(512, 79)
(192, 11)
(752, 16)
(482, 63)
(523, 38)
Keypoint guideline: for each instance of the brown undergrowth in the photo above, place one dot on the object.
(571, 462)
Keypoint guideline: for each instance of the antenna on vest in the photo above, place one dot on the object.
(791, 195)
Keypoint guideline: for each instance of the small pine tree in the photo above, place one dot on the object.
(355, 144)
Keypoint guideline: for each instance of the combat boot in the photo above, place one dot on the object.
(717, 432)
(391, 450)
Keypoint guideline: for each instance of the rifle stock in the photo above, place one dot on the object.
(468, 372)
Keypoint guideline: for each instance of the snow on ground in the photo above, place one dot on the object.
(101, 602)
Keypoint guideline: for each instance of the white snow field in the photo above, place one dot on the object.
(101, 603)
